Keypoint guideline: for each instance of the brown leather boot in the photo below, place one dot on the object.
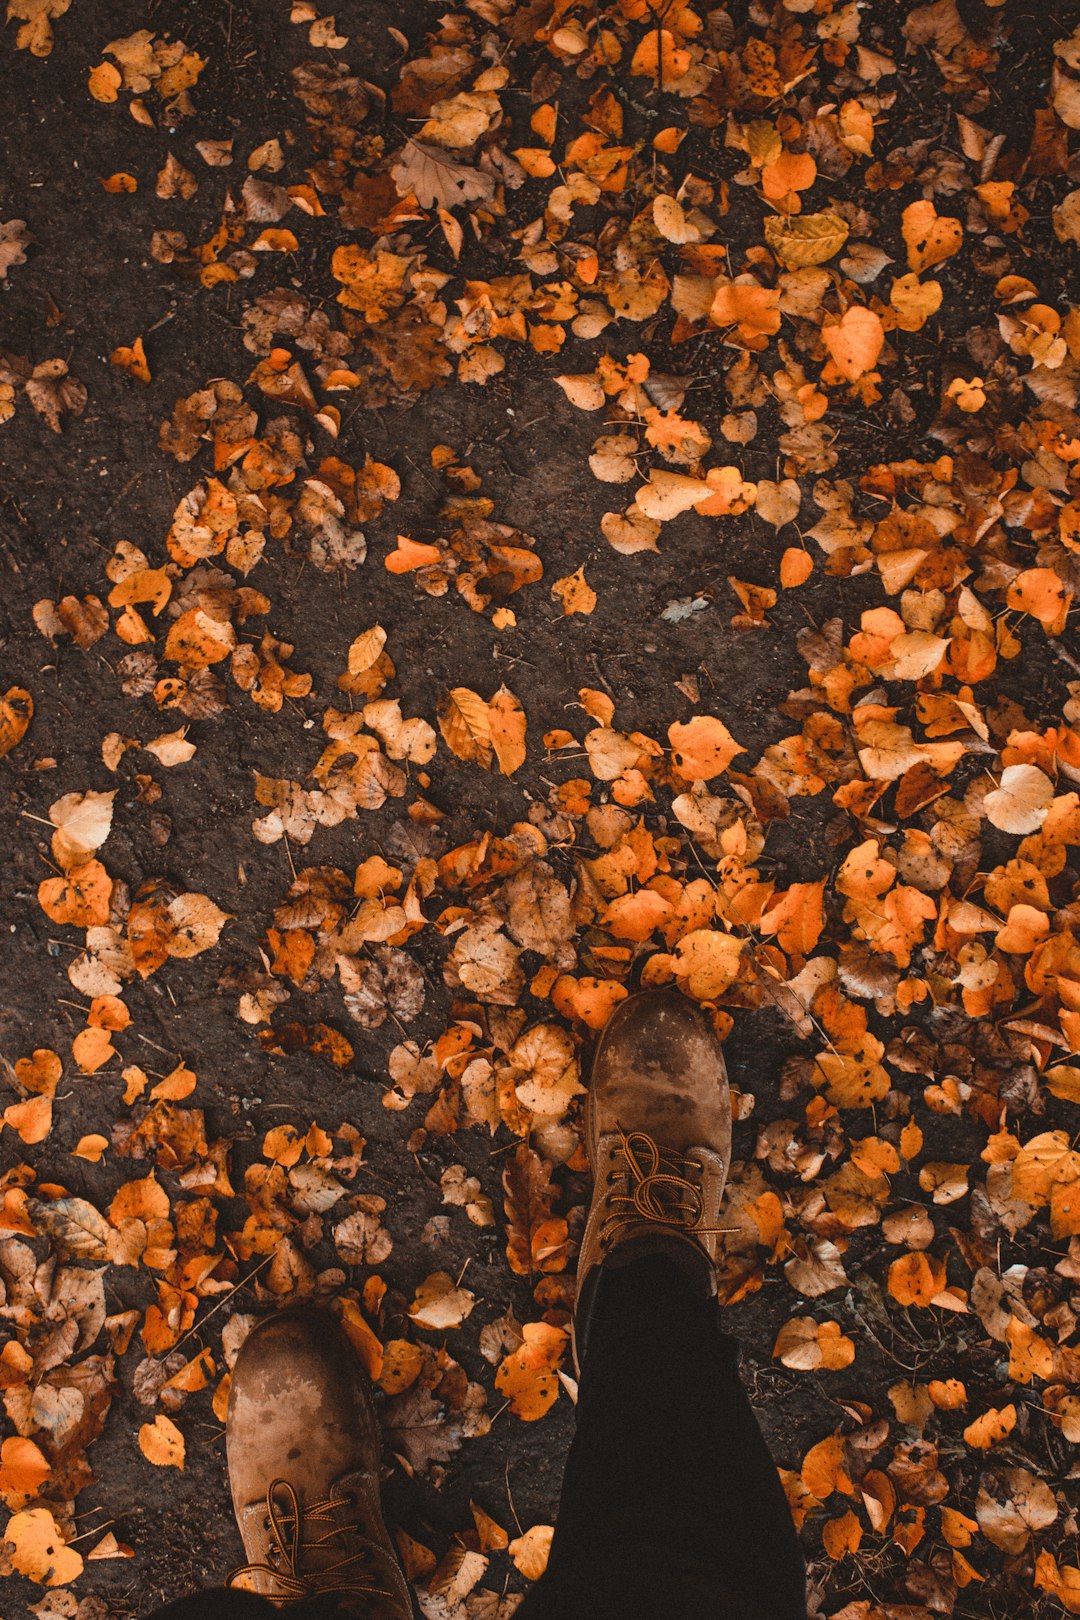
(658, 1132)
(304, 1453)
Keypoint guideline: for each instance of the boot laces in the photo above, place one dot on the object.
(663, 1186)
(310, 1535)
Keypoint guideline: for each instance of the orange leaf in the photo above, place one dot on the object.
(91, 1148)
(991, 1427)
(796, 916)
(31, 1120)
(796, 566)
(855, 341)
(529, 1552)
(36, 1549)
(755, 309)
(80, 898)
(23, 1468)
(410, 554)
(702, 747)
(16, 712)
(574, 592)
(40, 1073)
(929, 236)
(162, 1443)
(915, 1279)
(132, 360)
(528, 1376)
(841, 1536)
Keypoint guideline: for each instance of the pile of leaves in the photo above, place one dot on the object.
(785, 298)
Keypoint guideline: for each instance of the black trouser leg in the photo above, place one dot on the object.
(671, 1504)
(225, 1603)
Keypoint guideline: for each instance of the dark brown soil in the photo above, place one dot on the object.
(90, 284)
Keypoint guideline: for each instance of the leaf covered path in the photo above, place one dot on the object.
(506, 506)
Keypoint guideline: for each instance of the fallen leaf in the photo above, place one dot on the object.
(162, 1443)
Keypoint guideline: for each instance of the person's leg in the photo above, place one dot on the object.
(222, 1603)
(304, 1460)
(227, 1603)
(671, 1503)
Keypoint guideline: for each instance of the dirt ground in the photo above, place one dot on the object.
(89, 284)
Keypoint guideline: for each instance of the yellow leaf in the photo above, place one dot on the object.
(800, 240)
(708, 961)
(914, 301)
(366, 649)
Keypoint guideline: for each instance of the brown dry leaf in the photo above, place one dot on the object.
(1021, 801)
(1013, 1504)
(417, 1430)
(171, 748)
(14, 240)
(52, 391)
(83, 822)
(549, 1072)
(436, 180)
(536, 1238)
